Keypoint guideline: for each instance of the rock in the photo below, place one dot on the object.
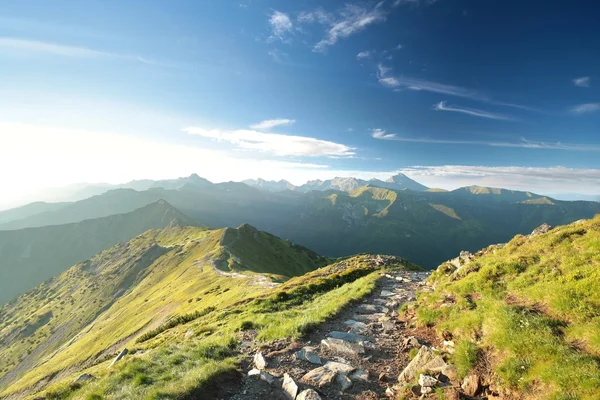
(411, 342)
(450, 372)
(262, 375)
(122, 354)
(350, 322)
(470, 385)
(426, 390)
(289, 387)
(360, 328)
(382, 377)
(359, 375)
(259, 361)
(389, 392)
(325, 375)
(387, 293)
(540, 230)
(368, 317)
(427, 381)
(366, 309)
(307, 354)
(448, 343)
(344, 382)
(388, 325)
(84, 378)
(424, 356)
(436, 365)
(349, 337)
(308, 394)
(343, 346)
(416, 390)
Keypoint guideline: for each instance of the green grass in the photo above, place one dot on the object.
(533, 306)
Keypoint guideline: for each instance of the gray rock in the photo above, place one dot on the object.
(540, 230)
(290, 388)
(368, 317)
(387, 293)
(343, 346)
(349, 337)
(122, 354)
(367, 309)
(450, 372)
(360, 328)
(470, 385)
(259, 361)
(427, 381)
(359, 375)
(307, 354)
(308, 394)
(436, 365)
(417, 364)
(84, 378)
(411, 342)
(344, 382)
(325, 375)
(388, 325)
(262, 375)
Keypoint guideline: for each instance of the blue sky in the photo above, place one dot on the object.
(453, 92)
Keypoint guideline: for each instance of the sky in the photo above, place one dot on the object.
(500, 93)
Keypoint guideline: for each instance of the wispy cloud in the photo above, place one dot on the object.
(523, 143)
(51, 48)
(274, 143)
(363, 54)
(380, 134)
(399, 47)
(585, 108)
(351, 19)
(441, 106)
(398, 3)
(584, 81)
(281, 25)
(271, 123)
(401, 82)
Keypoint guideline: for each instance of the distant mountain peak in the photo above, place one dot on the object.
(398, 178)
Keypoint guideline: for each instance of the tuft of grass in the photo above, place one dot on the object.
(466, 354)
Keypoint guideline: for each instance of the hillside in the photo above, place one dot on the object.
(133, 292)
(427, 227)
(30, 256)
(525, 317)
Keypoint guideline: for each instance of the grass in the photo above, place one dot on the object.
(533, 306)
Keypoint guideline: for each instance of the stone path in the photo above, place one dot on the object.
(359, 354)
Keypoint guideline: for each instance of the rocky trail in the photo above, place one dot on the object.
(362, 353)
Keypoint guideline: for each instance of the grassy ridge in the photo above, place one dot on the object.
(531, 308)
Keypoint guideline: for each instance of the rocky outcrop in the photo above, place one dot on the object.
(540, 230)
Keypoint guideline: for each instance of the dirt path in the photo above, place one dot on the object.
(366, 342)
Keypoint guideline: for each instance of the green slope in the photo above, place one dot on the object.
(30, 256)
(530, 309)
(81, 317)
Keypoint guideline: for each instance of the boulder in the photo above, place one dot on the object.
(349, 337)
(450, 372)
(411, 342)
(307, 354)
(308, 394)
(359, 375)
(436, 365)
(122, 354)
(259, 361)
(367, 309)
(262, 375)
(470, 385)
(325, 375)
(360, 328)
(427, 381)
(387, 293)
(424, 356)
(290, 388)
(343, 346)
(540, 230)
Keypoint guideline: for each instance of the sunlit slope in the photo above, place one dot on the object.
(30, 256)
(85, 314)
(531, 309)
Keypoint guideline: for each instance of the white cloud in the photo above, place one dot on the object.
(398, 3)
(441, 106)
(586, 108)
(281, 24)
(584, 81)
(346, 22)
(523, 143)
(274, 143)
(50, 48)
(556, 179)
(271, 123)
(380, 134)
(399, 47)
(363, 54)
